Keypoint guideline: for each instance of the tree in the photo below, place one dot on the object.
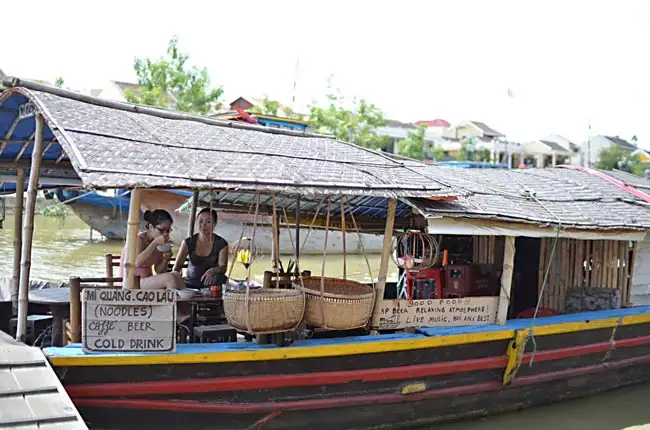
(169, 82)
(357, 125)
(610, 158)
(267, 107)
(413, 145)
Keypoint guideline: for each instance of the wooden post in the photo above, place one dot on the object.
(75, 310)
(132, 240)
(275, 248)
(297, 266)
(28, 229)
(109, 268)
(18, 239)
(383, 266)
(506, 280)
(195, 204)
(345, 251)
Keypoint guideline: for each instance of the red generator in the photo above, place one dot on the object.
(468, 280)
(425, 284)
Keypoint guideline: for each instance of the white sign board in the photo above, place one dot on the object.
(128, 320)
(396, 314)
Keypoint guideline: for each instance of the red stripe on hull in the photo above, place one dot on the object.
(340, 402)
(237, 383)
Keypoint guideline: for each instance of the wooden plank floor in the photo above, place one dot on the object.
(31, 395)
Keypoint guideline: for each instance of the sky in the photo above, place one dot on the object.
(568, 63)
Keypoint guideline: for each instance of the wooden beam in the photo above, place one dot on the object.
(132, 239)
(383, 266)
(18, 239)
(46, 165)
(28, 230)
(192, 221)
(506, 280)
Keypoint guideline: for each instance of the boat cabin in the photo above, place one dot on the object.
(531, 266)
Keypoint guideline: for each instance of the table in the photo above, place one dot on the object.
(195, 302)
(58, 299)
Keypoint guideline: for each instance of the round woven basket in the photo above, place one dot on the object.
(345, 304)
(269, 310)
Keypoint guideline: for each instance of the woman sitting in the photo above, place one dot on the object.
(149, 258)
(208, 254)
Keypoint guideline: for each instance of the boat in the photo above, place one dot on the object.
(519, 286)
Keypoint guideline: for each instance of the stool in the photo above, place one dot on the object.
(36, 324)
(215, 333)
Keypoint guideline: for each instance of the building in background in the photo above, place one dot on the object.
(592, 148)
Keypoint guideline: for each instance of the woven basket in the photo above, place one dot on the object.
(345, 304)
(269, 310)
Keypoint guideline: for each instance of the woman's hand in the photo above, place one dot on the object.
(167, 256)
(208, 275)
(160, 240)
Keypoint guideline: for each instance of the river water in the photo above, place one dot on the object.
(62, 249)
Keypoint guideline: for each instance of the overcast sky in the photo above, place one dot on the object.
(567, 62)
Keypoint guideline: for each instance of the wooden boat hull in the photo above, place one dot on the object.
(396, 381)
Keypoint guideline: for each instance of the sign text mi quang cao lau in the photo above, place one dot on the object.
(128, 320)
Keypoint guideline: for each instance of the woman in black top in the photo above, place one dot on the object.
(208, 254)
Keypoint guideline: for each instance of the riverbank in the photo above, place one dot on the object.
(41, 203)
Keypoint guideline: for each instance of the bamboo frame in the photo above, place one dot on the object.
(583, 263)
(28, 229)
(132, 239)
(506, 280)
(192, 220)
(383, 266)
(18, 239)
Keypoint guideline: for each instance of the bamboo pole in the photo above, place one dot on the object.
(28, 229)
(192, 221)
(132, 240)
(276, 244)
(541, 269)
(629, 285)
(383, 266)
(345, 250)
(506, 280)
(18, 239)
(75, 310)
(589, 263)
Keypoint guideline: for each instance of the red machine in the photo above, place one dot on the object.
(425, 284)
(468, 280)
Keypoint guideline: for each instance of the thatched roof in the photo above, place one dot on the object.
(120, 145)
(573, 198)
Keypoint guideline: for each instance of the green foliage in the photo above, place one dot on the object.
(169, 83)
(268, 107)
(413, 145)
(59, 82)
(609, 158)
(483, 155)
(357, 125)
(56, 211)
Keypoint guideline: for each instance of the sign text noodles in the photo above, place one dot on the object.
(128, 320)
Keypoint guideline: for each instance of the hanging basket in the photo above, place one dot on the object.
(265, 310)
(344, 305)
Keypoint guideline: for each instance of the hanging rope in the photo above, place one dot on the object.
(531, 194)
(322, 272)
(363, 248)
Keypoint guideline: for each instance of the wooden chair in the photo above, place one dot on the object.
(114, 261)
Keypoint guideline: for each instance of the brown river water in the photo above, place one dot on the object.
(62, 249)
